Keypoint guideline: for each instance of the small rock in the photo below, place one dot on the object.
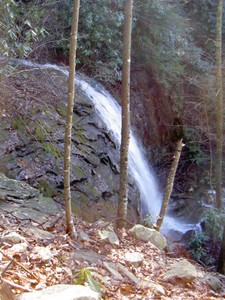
(135, 258)
(143, 233)
(62, 291)
(13, 238)
(176, 250)
(42, 253)
(83, 237)
(108, 236)
(101, 223)
(112, 269)
(182, 270)
(40, 234)
(157, 288)
(127, 273)
(214, 283)
(85, 255)
(18, 248)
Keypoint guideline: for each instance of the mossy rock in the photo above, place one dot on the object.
(79, 197)
(48, 188)
(80, 137)
(52, 149)
(3, 135)
(18, 123)
(83, 211)
(90, 189)
(40, 133)
(78, 172)
(48, 205)
(62, 110)
(43, 204)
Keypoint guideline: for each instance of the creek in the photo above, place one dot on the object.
(109, 111)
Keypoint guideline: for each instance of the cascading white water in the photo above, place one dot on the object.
(110, 112)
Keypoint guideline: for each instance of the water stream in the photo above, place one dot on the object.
(110, 112)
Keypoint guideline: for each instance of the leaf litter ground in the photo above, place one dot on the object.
(24, 268)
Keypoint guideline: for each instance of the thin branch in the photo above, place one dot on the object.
(19, 264)
(16, 286)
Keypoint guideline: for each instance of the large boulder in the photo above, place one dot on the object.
(149, 235)
(25, 202)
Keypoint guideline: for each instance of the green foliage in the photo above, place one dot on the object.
(86, 276)
(157, 40)
(197, 246)
(203, 246)
(163, 42)
(214, 221)
(21, 27)
(195, 153)
(99, 34)
(101, 23)
(193, 147)
(163, 38)
(203, 15)
(161, 35)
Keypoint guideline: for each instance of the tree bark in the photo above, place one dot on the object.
(219, 106)
(169, 186)
(221, 262)
(125, 131)
(69, 118)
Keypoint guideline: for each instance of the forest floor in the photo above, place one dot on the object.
(25, 268)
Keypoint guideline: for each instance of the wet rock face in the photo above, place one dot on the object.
(152, 108)
(32, 144)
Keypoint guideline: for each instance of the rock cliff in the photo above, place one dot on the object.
(33, 110)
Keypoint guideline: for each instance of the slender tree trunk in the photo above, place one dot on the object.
(69, 118)
(221, 262)
(125, 131)
(219, 107)
(219, 116)
(169, 186)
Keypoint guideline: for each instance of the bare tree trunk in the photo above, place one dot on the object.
(221, 262)
(69, 117)
(219, 107)
(169, 186)
(219, 116)
(125, 131)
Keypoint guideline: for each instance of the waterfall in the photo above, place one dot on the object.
(110, 112)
